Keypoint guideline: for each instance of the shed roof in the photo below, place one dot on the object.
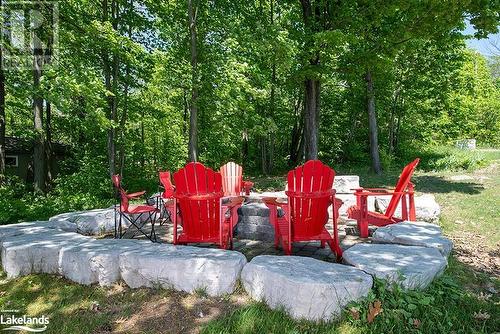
(25, 146)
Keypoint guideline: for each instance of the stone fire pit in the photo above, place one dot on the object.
(253, 220)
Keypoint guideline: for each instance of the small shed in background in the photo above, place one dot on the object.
(19, 157)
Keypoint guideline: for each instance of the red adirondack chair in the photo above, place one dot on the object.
(133, 213)
(310, 193)
(232, 180)
(198, 195)
(167, 195)
(404, 188)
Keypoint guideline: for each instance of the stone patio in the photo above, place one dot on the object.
(307, 284)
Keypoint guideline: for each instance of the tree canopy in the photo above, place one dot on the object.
(138, 86)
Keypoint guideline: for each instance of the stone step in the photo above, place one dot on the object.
(96, 261)
(306, 288)
(182, 268)
(411, 267)
(414, 234)
(36, 252)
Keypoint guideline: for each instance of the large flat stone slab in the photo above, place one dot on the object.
(426, 207)
(12, 230)
(182, 268)
(348, 201)
(36, 252)
(345, 184)
(96, 261)
(306, 288)
(410, 266)
(92, 222)
(21, 228)
(414, 234)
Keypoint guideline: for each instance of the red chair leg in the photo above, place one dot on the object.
(363, 219)
(411, 200)
(335, 247)
(175, 223)
(322, 244)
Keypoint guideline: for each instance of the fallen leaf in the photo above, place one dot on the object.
(374, 309)
(416, 323)
(94, 306)
(354, 312)
(481, 316)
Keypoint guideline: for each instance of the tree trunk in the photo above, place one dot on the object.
(312, 85)
(296, 140)
(39, 158)
(143, 140)
(2, 118)
(311, 118)
(372, 121)
(193, 119)
(186, 111)
(48, 146)
(123, 120)
(263, 155)
(392, 122)
(270, 139)
(110, 84)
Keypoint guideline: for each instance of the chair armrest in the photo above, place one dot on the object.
(233, 201)
(247, 184)
(273, 201)
(136, 194)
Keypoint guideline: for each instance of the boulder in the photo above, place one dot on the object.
(36, 252)
(92, 222)
(350, 200)
(414, 234)
(305, 287)
(11, 230)
(63, 225)
(257, 197)
(95, 261)
(182, 268)
(426, 207)
(411, 267)
(344, 184)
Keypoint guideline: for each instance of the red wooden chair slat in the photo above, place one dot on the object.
(232, 180)
(167, 195)
(198, 195)
(403, 193)
(310, 193)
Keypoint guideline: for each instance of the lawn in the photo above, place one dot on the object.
(464, 300)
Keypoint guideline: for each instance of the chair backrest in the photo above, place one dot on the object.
(403, 182)
(232, 179)
(309, 192)
(198, 190)
(116, 179)
(166, 182)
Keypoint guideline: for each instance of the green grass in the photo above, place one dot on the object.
(444, 307)
(453, 303)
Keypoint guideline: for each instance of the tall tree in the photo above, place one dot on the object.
(193, 107)
(39, 156)
(2, 112)
(312, 86)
